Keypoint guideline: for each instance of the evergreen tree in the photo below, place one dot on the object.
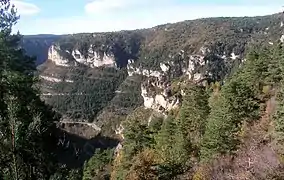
(279, 114)
(96, 167)
(239, 100)
(193, 115)
(221, 130)
(171, 148)
(137, 134)
(137, 137)
(26, 123)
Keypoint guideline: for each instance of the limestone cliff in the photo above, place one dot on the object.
(101, 76)
(98, 79)
(92, 59)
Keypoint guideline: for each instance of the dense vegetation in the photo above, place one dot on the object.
(210, 124)
(217, 37)
(26, 122)
(214, 124)
(88, 93)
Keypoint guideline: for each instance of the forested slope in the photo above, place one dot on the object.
(199, 99)
(230, 131)
(205, 48)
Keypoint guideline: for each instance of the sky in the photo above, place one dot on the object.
(75, 16)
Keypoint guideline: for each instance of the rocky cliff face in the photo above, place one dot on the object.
(96, 80)
(92, 59)
(101, 76)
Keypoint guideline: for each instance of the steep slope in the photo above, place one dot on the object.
(128, 97)
(102, 77)
(95, 80)
(79, 92)
(219, 131)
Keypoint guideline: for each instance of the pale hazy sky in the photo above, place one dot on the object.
(73, 16)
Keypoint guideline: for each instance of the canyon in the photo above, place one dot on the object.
(95, 80)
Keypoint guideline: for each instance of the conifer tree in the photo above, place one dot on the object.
(26, 123)
(193, 115)
(171, 148)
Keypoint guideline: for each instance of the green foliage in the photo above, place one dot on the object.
(127, 99)
(221, 35)
(90, 92)
(64, 173)
(137, 135)
(8, 16)
(221, 130)
(163, 148)
(193, 114)
(239, 101)
(207, 126)
(279, 117)
(96, 167)
(171, 147)
(279, 114)
(124, 45)
(27, 124)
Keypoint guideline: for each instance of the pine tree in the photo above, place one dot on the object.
(193, 115)
(279, 114)
(171, 147)
(137, 137)
(137, 134)
(26, 123)
(220, 134)
(96, 167)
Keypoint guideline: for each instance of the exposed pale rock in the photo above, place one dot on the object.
(54, 79)
(139, 71)
(282, 38)
(197, 77)
(234, 56)
(118, 150)
(51, 79)
(94, 59)
(119, 131)
(148, 101)
(204, 50)
(182, 92)
(159, 102)
(164, 67)
(54, 55)
(69, 81)
(91, 59)
(54, 94)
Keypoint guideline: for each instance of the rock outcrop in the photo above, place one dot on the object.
(92, 59)
(157, 95)
(60, 58)
(197, 51)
